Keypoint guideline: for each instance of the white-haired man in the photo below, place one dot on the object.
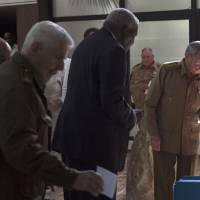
(26, 165)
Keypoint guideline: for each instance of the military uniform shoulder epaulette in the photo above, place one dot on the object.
(158, 64)
(172, 65)
(136, 66)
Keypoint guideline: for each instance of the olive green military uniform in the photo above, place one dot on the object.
(140, 170)
(172, 109)
(25, 163)
(140, 78)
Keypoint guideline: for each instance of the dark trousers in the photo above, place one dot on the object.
(77, 195)
(169, 167)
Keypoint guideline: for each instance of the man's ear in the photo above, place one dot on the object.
(36, 47)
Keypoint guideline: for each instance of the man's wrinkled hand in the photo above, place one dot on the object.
(89, 181)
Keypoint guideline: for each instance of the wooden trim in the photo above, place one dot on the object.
(26, 16)
(79, 18)
(45, 12)
(164, 15)
(143, 16)
(50, 10)
(194, 22)
(122, 3)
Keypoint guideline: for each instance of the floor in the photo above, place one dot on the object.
(121, 187)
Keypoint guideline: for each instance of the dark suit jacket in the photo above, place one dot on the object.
(94, 123)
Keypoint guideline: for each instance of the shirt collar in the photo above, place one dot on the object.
(154, 66)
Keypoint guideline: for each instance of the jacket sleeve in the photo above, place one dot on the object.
(152, 102)
(113, 77)
(20, 144)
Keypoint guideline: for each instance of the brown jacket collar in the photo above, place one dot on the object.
(28, 72)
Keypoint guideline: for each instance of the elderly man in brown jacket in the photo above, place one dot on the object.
(25, 164)
(140, 170)
(172, 109)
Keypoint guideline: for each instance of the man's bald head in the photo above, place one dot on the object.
(124, 25)
(5, 50)
(121, 17)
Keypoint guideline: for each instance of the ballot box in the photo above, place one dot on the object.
(187, 188)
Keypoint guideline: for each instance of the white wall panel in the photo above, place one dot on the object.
(157, 5)
(77, 28)
(168, 39)
(198, 3)
(16, 2)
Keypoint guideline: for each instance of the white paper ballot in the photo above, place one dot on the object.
(110, 181)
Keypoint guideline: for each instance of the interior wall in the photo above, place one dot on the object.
(168, 39)
(16, 2)
(84, 7)
(69, 8)
(76, 29)
(157, 5)
(27, 15)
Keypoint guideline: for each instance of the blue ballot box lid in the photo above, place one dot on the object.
(187, 188)
(190, 178)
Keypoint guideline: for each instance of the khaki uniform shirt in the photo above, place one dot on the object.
(140, 78)
(172, 109)
(25, 163)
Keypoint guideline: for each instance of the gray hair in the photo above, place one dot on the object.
(47, 33)
(147, 49)
(121, 17)
(193, 48)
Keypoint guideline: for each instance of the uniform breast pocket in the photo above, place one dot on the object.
(169, 97)
(44, 129)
